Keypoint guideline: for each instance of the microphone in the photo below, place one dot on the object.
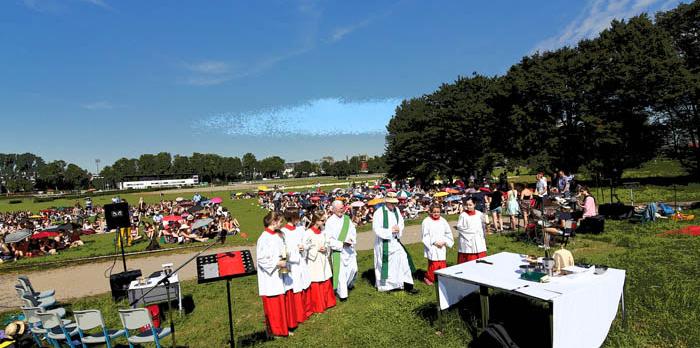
(222, 236)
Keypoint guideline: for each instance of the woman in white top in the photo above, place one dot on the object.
(437, 237)
(321, 294)
(472, 243)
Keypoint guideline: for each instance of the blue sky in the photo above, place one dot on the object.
(87, 79)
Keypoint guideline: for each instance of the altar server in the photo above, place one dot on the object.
(271, 258)
(472, 243)
(298, 305)
(437, 237)
(321, 293)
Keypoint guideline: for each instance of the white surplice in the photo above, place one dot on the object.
(471, 233)
(434, 231)
(267, 253)
(399, 269)
(296, 259)
(319, 264)
(348, 257)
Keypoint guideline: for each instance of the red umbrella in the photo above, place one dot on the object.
(315, 198)
(42, 235)
(172, 218)
(376, 187)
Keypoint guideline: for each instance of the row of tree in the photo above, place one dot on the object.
(607, 104)
(28, 172)
(217, 169)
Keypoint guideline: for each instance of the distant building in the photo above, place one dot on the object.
(158, 181)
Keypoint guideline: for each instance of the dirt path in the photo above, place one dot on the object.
(89, 279)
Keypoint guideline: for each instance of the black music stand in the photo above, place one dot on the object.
(225, 266)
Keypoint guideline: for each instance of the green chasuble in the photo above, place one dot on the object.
(385, 246)
(335, 256)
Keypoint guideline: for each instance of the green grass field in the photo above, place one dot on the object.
(661, 295)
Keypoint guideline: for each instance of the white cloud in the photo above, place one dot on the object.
(100, 3)
(98, 105)
(208, 73)
(57, 6)
(339, 33)
(318, 117)
(209, 67)
(596, 17)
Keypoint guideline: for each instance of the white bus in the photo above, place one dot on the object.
(159, 181)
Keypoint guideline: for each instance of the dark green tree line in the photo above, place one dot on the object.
(607, 104)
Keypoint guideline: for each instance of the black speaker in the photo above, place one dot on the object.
(119, 283)
(117, 215)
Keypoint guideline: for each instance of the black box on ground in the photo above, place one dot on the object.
(119, 283)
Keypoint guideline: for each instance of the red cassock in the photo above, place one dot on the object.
(462, 257)
(275, 308)
(296, 311)
(432, 267)
(308, 305)
(322, 295)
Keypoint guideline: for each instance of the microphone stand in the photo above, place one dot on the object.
(166, 282)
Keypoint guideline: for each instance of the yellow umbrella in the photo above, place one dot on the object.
(239, 193)
(36, 216)
(262, 188)
(375, 201)
(441, 194)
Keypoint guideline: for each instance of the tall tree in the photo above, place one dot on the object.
(52, 175)
(76, 177)
(249, 163)
(271, 166)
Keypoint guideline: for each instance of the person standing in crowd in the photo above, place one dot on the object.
(342, 237)
(495, 208)
(437, 237)
(512, 206)
(298, 305)
(541, 190)
(277, 200)
(271, 256)
(588, 205)
(321, 295)
(526, 201)
(393, 266)
(472, 243)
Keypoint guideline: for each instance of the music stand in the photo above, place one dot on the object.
(225, 266)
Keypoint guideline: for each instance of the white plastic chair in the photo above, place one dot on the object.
(45, 303)
(134, 319)
(27, 285)
(32, 317)
(90, 319)
(57, 330)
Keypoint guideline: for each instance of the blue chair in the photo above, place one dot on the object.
(134, 319)
(90, 319)
(57, 331)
